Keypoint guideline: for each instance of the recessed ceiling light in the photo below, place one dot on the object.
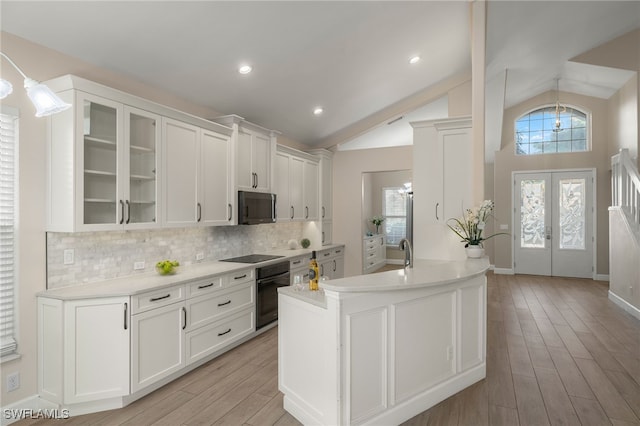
(414, 59)
(245, 69)
(318, 111)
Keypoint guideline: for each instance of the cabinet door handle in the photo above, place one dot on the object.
(323, 211)
(256, 180)
(155, 299)
(240, 277)
(121, 212)
(224, 332)
(200, 287)
(126, 314)
(297, 262)
(437, 204)
(225, 303)
(184, 317)
(327, 254)
(321, 270)
(128, 211)
(230, 212)
(335, 265)
(199, 212)
(306, 214)
(292, 212)
(323, 236)
(338, 251)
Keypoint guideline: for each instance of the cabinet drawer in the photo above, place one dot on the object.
(337, 252)
(154, 299)
(370, 244)
(246, 275)
(212, 307)
(299, 262)
(205, 286)
(324, 254)
(206, 340)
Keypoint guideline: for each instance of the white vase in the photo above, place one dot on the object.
(474, 252)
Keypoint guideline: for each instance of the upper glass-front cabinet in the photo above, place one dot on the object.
(141, 137)
(101, 151)
(120, 185)
(102, 166)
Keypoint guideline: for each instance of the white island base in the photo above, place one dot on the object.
(382, 348)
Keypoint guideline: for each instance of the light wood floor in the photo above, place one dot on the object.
(558, 352)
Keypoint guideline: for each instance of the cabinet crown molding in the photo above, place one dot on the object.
(444, 123)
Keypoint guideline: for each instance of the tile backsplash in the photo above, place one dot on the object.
(100, 256)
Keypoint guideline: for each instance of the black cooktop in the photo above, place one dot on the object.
(251, 258)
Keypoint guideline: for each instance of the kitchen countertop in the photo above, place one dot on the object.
(135, 284)
(425, 273)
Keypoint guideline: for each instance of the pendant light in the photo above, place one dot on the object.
(43, 98)
(559, 109)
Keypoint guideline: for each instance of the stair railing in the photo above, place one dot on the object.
(625, 186)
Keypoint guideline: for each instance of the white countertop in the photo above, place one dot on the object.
(425, 273)
(140, 283)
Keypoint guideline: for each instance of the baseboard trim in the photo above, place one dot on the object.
(503, 271)
(32, 407)
(601, 277)
(628, 307)
(395, 261)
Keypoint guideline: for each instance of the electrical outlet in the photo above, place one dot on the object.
(138, 265)
(13, 382)
(199, 256)
(69, 255)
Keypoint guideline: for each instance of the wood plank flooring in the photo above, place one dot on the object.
(558, 353)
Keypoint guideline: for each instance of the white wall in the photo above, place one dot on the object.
(348, 167)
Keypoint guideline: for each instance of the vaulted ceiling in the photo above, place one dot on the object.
(350, 57)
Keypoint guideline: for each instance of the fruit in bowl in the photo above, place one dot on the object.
(167, 267)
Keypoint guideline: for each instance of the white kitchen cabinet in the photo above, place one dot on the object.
(296, 185)
(299, 270)
(102, 164)
(331, 262)
(106, 166)
(177, 326)
(198, 183)
(442, 185)
(157, 342)
(325, 210)
(83, 349)
(255, 147)
(374, 255)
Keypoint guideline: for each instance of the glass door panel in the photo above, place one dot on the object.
(100, 125)
(532, 213)
(572, 219)
(142, 133)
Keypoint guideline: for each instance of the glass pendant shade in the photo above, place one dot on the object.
(45, 101)
(5, 89)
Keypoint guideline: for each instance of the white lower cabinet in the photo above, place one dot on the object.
(189, 323)
(83, 349)
(102, 353)
(331, 263)
(157, 344)
(373, 253)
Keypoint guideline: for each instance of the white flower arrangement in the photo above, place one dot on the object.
(470, 227)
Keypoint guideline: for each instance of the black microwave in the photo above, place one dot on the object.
(256, 207)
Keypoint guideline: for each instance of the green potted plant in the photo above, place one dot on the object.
(377, 221)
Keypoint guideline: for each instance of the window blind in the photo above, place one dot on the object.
(8, 189)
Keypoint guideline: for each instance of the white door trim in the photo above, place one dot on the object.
(594, 206)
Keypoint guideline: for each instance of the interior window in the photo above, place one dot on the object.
(551, 130)
(394, 209)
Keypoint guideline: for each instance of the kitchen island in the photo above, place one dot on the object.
(381, 348)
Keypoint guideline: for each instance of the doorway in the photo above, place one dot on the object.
(554, 223)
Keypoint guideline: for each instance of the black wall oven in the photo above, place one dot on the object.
(268, 279)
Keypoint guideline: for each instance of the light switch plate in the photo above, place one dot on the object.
(138, 265)
(69, 255)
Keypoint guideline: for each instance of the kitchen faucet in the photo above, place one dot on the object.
(406, 244)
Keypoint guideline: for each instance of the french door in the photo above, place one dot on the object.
(553, 223)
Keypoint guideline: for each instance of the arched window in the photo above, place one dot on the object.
(538, 132)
